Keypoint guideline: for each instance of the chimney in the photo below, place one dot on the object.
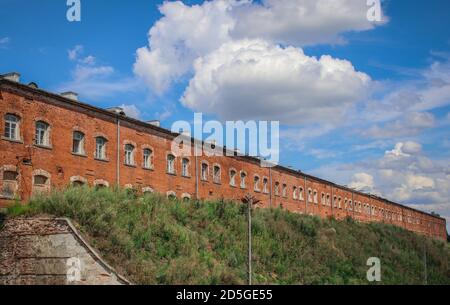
(116, 110)
(70, 95)
(156, 123)
(13, 77)
(33, 85)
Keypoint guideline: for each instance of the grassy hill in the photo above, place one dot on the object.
(154, 240)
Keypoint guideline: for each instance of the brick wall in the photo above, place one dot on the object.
(61, 166)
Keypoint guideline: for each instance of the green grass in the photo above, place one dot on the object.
(154, 240)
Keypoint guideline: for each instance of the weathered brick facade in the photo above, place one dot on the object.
(26, 168)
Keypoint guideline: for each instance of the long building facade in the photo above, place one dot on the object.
(52, 140)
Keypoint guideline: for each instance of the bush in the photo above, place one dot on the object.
(154, 240)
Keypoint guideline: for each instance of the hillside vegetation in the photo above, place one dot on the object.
(155, 240)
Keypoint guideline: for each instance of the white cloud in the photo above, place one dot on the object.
(410, 124)
(363, 182)
(186, 33)
(302, 22)
(4, 42)
(405, 149)
(74, 53)
(255, 79)
(131, 110)
(94, 81)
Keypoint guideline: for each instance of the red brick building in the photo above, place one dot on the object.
(49, 141)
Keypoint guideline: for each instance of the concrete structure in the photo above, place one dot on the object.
(39, 251)
(49, 141)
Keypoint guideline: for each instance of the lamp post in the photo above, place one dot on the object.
(250, 200)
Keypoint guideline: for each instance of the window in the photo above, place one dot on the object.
(316, 200)
(339, 203)
(217, 174)
(12, 127)
(300, 193)
(256, 184)
(294, 193)
(204, 173)
(185, 167)
(243, 177)
(148, 158)
(265, 186)
(323, 200)
(42, 134)
(100, 148)
(284, 190)
(171, 164)
(129, 154)
(232, 177)
(310, 198)
(41, 182)
(350, 205)
(10, 184)
(78, 143)
(277, 188)
(335, 201)
(345, 204)
(328, 200)
(78, 183)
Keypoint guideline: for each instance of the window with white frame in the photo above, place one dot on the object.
(129, 154)
(310, 196)
(232, 177)
(217, 175)
(256, 187)
(277, 188)
(328, 200)
(204, 171)
(42, 136)
(100, 148)
(316, 200)
(12, 127)
(294, 193)
(78, 143)
(147, 158)
(335, 201)
(243, 180)
(9, 184)
(185, 167)
(266, 186)
(340, 203)
(300, 193)
(284, 190)
(323, 200)
(350, 205)
(171, 164)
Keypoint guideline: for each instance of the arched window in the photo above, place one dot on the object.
(42, 136)
(256, 187)
(310, 195)
(100, 148)
(78, 143)
(328, 200)
(243, 178)
(78, 181)
(216, 174)
(204, 172)
(185, 167)
(129, 154)
(294, 193)
(277, 188)
(316, 200)
(9, 183)
(147, 190)
(300, 193)
(12, 127)
(323, 200)
(41, 182)
(147, 158)
(284, 190)
(266, 186)
(171, 164)
(233, 177)
(100, 183)
(340, 203)
(171, 195)
(350, 205)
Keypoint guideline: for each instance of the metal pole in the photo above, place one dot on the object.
(250, 202)
(425, 263)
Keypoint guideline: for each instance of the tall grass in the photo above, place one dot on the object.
(155, 240)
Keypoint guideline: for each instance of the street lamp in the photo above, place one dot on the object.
(250, 200)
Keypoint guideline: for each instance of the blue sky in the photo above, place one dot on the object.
(373, 114)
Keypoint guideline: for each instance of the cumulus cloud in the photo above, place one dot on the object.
(132, 111)
(4, 42)
(186, 33)
(301, 22)
(404, 174)
(255, 79)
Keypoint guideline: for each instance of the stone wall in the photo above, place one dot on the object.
(37, 251)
